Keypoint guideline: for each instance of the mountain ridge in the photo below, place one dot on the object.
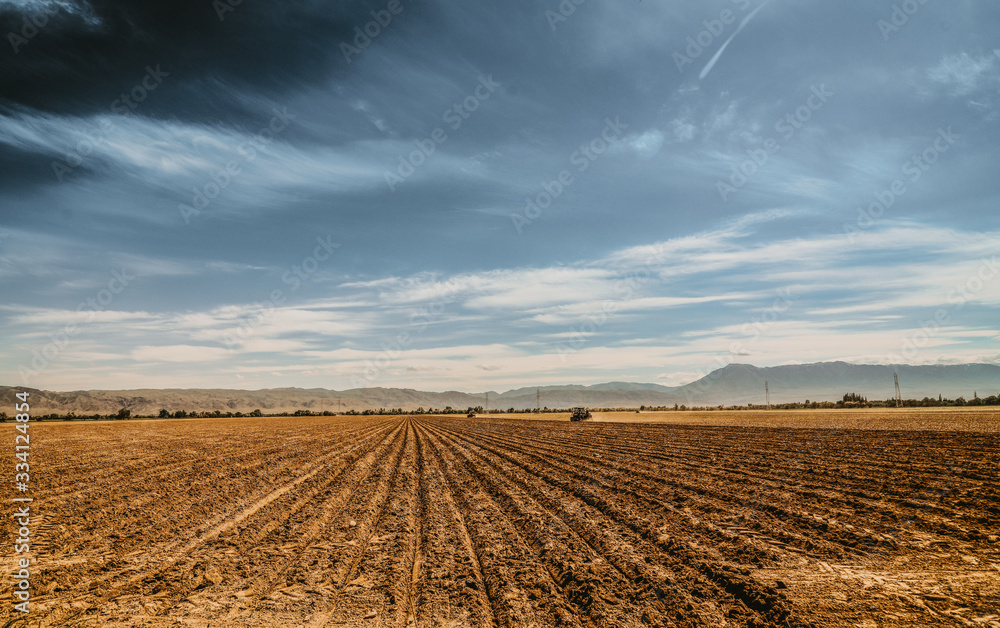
(733, 384)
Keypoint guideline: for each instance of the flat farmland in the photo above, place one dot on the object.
(949, 419)
(444, 521)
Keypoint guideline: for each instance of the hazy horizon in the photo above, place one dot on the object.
(708, 379)
(474, 196)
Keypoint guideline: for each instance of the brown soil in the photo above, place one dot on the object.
(437, 521)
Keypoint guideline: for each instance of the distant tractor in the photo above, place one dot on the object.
(471, 415)
(579, 414)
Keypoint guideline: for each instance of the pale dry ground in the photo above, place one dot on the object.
(981, 419)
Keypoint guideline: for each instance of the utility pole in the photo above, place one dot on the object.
(486, 410)
(899, 397)
(538, 400)
(767, 395)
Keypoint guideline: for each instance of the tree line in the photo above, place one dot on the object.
(849, 400)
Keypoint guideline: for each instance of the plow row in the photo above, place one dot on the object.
(432, 521)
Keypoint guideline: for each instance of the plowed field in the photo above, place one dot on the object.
(433, 521)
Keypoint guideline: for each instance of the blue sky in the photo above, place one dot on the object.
(479, 196)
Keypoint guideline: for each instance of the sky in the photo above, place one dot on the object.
(479, 196)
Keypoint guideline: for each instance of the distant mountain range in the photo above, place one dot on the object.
(828, 381)
(730, 385)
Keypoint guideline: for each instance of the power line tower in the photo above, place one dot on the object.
(899, 397)
(538, 400)
(486, 409)
(767, 395)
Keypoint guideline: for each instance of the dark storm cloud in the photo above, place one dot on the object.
(76, 65)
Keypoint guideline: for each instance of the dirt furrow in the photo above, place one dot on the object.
(453, 587)
(522, 591)
(754, 602)
(366, 513)
(249, 523)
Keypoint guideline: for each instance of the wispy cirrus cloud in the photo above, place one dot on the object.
(963, 74)
(845, 301)
(635, 262)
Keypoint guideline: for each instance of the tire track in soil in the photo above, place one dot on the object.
(578, 579)
(460, 580)
(150, 508)
(311, 512)
(385, 574)
(349, 476)
(599, 584)
(367, 520)
(665, 589)
(754, 602)
(712, 503)
(901, 492)
(696, 589)
(164, 527)
(178, 550)
(502, 523)
(853, 501)
(725, 545)
(478, 428)
(778, 517)
(378, 571)
(521, 592)
(408, 583)
(111, 563)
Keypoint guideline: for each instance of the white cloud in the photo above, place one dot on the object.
(646, 145)
(723, 120)
(179, 353)
(683, 130)
(576, 312)
(174, 157)
(963, 74)
(48, 317)
(79, 9)
(678, 378)
(365, 107)
(846, 301)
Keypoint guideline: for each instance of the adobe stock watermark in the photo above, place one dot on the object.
(41, 358)
(222, 7)
(564, 10)
(419, 321)
(222, 177)
(124, 105)
(581, 159)
(33, 24)
(788, 125)
(454, 116)
(698, 43)
(259, 312)
(752, 331)
(961, 294)
(901, 14)
(364, 35)
(914, 169)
